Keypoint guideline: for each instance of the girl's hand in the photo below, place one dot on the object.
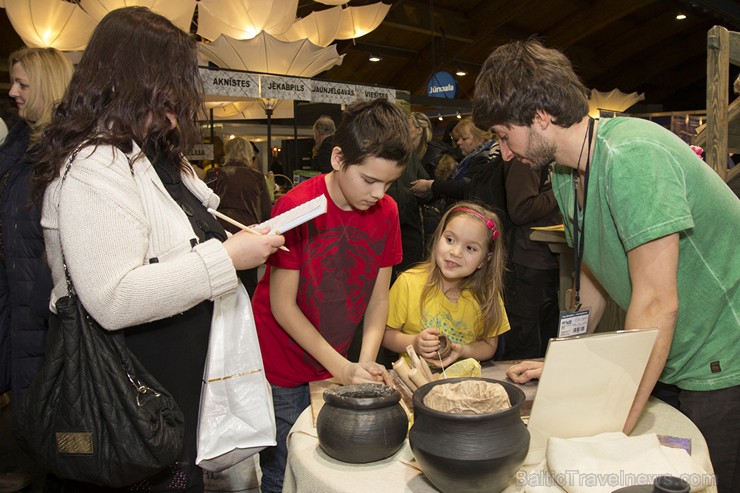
(456, 354)
(365, 372)
(426, 344)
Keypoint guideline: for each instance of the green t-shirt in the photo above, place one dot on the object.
(646, 183)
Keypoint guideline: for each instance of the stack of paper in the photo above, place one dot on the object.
(295, 216)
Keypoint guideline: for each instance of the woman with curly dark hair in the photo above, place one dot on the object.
(130, 215)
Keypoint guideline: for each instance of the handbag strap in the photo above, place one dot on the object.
(70, 287)
(125, 358)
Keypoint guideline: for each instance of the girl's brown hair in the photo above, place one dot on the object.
(485, 283)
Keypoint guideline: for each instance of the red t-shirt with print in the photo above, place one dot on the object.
(338, 255)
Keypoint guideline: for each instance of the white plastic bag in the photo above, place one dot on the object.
(236, 417)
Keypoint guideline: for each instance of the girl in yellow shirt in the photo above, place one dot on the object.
(456, 292)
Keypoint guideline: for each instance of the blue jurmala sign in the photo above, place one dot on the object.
(442, 85)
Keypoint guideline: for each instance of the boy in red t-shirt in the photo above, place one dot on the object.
(337, 273)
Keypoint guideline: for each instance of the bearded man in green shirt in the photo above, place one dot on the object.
(656, 227)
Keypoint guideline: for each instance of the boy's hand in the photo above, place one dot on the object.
(365, 372)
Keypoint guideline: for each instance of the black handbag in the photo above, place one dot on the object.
(93, 413)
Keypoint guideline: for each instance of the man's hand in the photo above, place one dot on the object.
(525, 371)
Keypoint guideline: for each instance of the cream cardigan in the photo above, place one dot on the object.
(114, 220)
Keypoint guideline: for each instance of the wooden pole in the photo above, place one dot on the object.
(718, 80)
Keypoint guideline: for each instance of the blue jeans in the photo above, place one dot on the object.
(288, 403)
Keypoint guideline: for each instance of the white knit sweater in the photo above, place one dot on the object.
(112, 223)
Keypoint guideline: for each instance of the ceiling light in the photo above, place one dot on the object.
(439, 115)
(458, 116)
(680, 16)
(460, 73)
(374, 58)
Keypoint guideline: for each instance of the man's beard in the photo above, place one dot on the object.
(539, 152)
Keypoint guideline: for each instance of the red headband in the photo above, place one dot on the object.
(488, 222)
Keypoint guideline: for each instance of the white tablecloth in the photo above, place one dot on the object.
(309, 469)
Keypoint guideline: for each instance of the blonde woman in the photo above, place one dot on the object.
(244, 195)
(39, 77)
(428, 150)
(421, 133)
(475, 145)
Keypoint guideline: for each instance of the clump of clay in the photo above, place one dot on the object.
(468, 397)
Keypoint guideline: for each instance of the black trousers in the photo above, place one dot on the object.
(531, 300)
(715, 413)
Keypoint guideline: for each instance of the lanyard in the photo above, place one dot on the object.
(579, 239)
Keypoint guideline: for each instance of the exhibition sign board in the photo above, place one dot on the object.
(442, 85)
(285, 88)
(218, 82)
(230, 83)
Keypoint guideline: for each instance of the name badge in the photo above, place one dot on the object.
(573, 323)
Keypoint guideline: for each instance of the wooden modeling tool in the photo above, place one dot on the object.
(239, 225)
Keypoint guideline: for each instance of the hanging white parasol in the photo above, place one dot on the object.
(265, 54)
(358, 21)
(179, 12)
(614, 100)
(244, 19)
(320, 27)
(50, 23)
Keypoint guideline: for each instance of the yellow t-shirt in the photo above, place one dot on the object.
(457, 320)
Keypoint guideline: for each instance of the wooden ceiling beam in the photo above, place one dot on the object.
(415, 16)
(677, 81)
(655, 63)
(496, 16)
(590, 20)
(727, 10)
(623, 49)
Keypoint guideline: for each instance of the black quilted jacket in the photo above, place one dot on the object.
(25, 280)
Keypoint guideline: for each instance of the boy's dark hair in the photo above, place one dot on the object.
(137, 67)
(522, 77)
(374, 128)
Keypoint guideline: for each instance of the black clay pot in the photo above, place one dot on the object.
(361, 423)
(469, 453)
(662, 484)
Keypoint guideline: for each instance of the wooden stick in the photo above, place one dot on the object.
(417, 376)
(419, 363)
(239, 225)
(402, 369)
